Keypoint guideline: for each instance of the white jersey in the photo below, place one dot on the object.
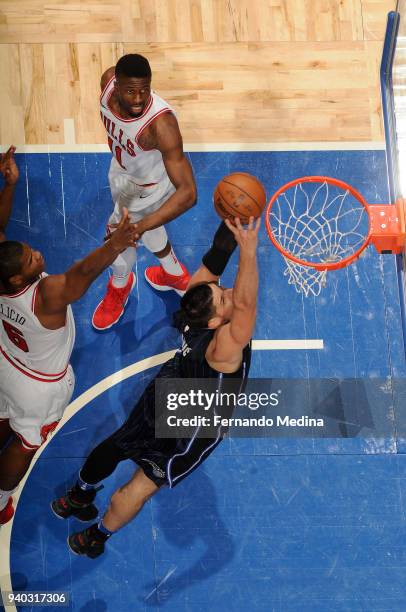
(41, 353)
(146, 167)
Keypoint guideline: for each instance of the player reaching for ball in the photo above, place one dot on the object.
(37, 333)
(217, 325)
(149, 174)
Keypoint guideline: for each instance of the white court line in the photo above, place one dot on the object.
(91, 394)
(69, 132)
(283, 345)
(71, 147)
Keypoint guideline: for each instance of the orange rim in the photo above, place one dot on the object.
(318, 179)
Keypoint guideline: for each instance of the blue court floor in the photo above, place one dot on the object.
(266, 524)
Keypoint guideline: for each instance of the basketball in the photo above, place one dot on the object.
(239, 195)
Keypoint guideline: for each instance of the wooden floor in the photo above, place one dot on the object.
(237, 71)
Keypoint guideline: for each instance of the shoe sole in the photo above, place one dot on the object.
(124, 305)
(165, 288)
(80, 554)
(71, 549)
(64, 518)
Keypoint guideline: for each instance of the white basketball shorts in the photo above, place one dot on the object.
(139, 199)
(33, 407)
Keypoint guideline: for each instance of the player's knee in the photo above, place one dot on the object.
(155, 240)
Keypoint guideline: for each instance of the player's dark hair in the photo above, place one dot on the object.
(196, 307)
(133, 65)
(10, 259)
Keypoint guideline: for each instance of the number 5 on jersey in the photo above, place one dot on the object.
(16, 336)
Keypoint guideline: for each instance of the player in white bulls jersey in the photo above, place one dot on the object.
(37, 334)
(149, 174)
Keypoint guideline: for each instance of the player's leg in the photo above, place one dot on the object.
(100, 464)
(125, 504)
(128, 500)
(170, 274)
(5, 432)
(122, 444)
(14, 463)
(16, 453)
(121, 283)
(34, 410)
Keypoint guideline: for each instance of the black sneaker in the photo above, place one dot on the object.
(70, 505)
(89, 542)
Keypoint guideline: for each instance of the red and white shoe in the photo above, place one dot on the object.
(112, 305)
(162, 281)
(7, 513)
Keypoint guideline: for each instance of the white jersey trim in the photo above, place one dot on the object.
(14, 295)
(161, 112)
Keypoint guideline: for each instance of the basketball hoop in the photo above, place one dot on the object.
(321, 224)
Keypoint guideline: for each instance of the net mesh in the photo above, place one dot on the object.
(317, 222)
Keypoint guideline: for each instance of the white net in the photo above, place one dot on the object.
(317, 222)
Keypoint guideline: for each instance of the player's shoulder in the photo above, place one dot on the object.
(166, 129)
(50, 284)
(106, 77)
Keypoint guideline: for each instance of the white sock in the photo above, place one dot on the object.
(4, 496)
(120, 281)
(170, 264)
(122, 267)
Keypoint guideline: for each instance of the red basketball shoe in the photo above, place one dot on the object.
(112, 305)
(7, 513)
(162, 281)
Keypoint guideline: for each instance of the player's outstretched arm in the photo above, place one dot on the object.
(9, 170)
(231, 338)
(168, 140)
(217, 257)
(59, 290)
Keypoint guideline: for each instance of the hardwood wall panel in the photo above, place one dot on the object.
(235, 70)
(166, 21)
(374, 17)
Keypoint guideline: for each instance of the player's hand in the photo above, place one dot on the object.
(8, 167)
(246, 237)
(140, 228)
(125, 234)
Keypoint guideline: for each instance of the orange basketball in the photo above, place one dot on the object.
(239, 195)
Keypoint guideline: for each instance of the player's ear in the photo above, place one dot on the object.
(16, 280)
(214, 322)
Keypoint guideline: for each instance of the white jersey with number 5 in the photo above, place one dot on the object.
(145, 167)
(38, 352)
